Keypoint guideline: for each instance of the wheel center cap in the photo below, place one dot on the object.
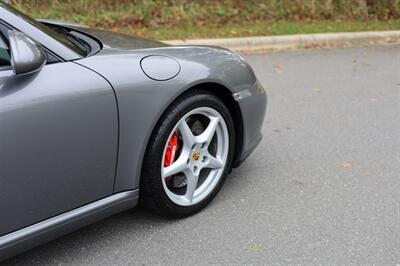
(196, 156)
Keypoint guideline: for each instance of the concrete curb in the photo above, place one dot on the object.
(287, 42)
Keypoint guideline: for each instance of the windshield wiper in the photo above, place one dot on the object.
(82, 45)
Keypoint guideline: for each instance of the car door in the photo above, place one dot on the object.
(58, 141)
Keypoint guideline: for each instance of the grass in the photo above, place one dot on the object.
(183, 19)
(259, 29)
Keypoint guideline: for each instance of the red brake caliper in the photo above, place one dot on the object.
(172, 148)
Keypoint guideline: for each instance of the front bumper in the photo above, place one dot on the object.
(253, 106)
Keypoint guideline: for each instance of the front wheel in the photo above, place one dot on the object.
(189, 155)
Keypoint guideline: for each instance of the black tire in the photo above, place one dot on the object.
(152, 194)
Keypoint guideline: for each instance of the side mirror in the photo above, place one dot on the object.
(27, 56)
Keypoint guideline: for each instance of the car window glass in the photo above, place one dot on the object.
(49, 31)
(5, 58)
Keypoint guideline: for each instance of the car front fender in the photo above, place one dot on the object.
(142, 100)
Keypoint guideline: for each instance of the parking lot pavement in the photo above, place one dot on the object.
(322, 187)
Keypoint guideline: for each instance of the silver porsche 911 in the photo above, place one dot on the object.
(94, 122)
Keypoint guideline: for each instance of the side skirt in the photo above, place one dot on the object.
(62, 224)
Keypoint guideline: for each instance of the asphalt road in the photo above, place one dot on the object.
(322, 187)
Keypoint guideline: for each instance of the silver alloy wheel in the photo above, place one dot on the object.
(195, 156)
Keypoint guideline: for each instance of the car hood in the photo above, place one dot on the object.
(109, 39)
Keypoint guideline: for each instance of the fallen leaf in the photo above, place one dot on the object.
(346, 165)
(278, 69)
(256, 247)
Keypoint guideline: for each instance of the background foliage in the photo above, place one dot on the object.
(144, 16)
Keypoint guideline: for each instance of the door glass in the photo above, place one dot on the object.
(4, 53)
(68, 42)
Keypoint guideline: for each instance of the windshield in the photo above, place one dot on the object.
(65, 38)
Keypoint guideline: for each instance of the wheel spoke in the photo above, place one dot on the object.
(209, 132)
(191, 181)
(186, 133)
(214, 162)
(200, 131)
(175, 168)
